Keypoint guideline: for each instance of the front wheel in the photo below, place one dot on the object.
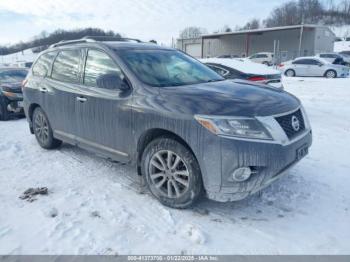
(172, 173)
(331, 74)
(43, 131)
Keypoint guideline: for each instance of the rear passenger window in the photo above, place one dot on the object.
(42, 66)
(99, 63)
(66, 66)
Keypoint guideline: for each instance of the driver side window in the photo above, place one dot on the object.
(99, 63)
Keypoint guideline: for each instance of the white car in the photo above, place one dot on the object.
(244, 69)
(265, 58)
(313, 66)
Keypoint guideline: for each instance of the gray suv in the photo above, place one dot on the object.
(186, 129)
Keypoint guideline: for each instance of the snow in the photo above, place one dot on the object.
(341, 46)
(23, 56)
(95, 206)
(242, 65)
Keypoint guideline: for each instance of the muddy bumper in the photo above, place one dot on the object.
(268, 161)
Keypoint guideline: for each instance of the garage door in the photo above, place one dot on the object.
(194, 50)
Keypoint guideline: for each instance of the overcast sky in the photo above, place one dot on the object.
(144, 19)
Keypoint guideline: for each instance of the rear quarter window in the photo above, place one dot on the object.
(43, 64)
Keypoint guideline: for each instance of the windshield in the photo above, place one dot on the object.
(162, 68)
(12, 76)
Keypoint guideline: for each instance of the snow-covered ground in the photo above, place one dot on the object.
(94, 206)
(17, 58)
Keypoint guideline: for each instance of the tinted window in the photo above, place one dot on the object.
(66, 66)
(167, 68)
(98, 63)
(328, 56)
(219, 70)
(12, 76)
(306, 62)
(42, 66)
(261, 56)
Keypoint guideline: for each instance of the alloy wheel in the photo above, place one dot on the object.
(330, 74)
(169, 174)
(290, 73)
(41, 127)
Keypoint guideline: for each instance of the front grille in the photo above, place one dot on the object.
(286, 122)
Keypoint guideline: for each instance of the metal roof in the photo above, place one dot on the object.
(262, 30)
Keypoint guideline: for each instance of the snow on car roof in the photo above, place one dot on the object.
(242, 65)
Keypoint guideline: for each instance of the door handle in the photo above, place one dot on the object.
(81, 99)
(43, 90)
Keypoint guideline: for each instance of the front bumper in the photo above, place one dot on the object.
(14, 103)
(269, 161)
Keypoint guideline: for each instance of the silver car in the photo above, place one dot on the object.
(313, 66)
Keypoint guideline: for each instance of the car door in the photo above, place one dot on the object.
(104, 116)
(315, 67)
(301, 67)
(61, 89)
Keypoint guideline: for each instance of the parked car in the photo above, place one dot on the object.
(246, 70)
(313, 66)
(335, 58)
(186, 129)
(10, 92)
(345, 53)
(265, 58)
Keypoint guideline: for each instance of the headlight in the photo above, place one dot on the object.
(236, 127)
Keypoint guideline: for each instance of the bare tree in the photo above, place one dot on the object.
(252, 24)
(310, 12)
(192, 32)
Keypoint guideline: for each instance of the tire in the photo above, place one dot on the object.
(4, 114)
(183, 178)
(330, 74)
(43, 131)
(266, 63)
(290, 73)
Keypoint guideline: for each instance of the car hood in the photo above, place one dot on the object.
(12, 87)
(229, 98)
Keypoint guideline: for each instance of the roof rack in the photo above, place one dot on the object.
(112, 38)
(91, 39)
(78, 41)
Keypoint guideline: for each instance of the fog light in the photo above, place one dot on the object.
(241, 174)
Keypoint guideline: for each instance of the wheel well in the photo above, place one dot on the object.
(153, 134)
(331, 70)
(285, 73)
(31, 110)
(30, 115)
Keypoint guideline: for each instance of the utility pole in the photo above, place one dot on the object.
(301, 35)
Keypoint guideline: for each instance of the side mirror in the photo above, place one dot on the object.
(111, 82)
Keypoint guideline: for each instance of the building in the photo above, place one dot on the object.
(287, 42)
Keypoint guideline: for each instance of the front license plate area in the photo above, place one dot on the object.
(302, 152)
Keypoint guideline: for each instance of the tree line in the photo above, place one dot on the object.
(42, 41)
